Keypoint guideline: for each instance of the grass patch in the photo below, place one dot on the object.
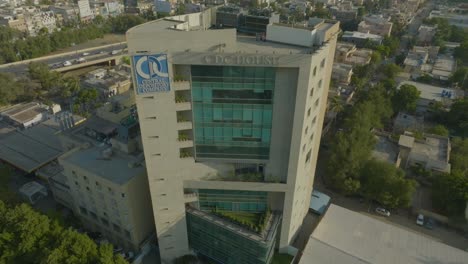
(279, 258)
(255, 222)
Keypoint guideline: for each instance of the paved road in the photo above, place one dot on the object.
(400, 218)
(97, 53)
(415, 24)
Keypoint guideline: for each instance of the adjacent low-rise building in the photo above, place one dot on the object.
(349, 54)
(25, 115)
(426, 33)
(110, 193)
(342, 73)
(14, 22)
(108, 82)
(361, 39)
(431, 94)
(430, 152)
(376, 24)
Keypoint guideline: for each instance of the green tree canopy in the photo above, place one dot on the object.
(450, 193)
(459, 155)
(460, 77)
(386, 184)
(10, 89)
(27, 236)
(439, 130)
(457, 118)
(405, 98)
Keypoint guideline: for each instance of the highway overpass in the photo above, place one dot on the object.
(92, 56)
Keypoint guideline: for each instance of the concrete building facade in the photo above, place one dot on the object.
(231, 116)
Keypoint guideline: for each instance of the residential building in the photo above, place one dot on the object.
(454, 19)
(361, 39)
(86, 14)
(37, 20)
(376, 24)
(406, 122)
(419, 60)
(431, 94)
(25, 115)
(108, 82)
(443, 68)
(105, 8)
(14, 22)
(359, 240)
(131, 6)
(163, 6)
(344, 12)
(110, 193)
(231, 125)
(426, 33)
(342, 73)
(349, 54)
(66, 13)
(432, 152)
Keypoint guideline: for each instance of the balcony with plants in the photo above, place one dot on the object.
(185, 138)
(184, 120)
(182, 99)
(186, 153)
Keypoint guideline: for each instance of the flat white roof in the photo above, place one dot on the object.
(430, 92)
(344, 236)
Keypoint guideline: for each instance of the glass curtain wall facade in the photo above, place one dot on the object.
(236, 201)
(227, 246)
(232, 108)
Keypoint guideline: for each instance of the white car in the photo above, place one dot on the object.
(420, 220)
(382, 211)
(86, 54)
(80, 60)
(67, 63)
(114, 52)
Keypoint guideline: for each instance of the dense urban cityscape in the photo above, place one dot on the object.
(234, 131)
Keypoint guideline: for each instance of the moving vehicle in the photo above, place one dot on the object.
(67, 63)
(382, 211)
(420, 220)
(85, 54)
(114, 52)
(80, 60)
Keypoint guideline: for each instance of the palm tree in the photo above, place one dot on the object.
(336, 106)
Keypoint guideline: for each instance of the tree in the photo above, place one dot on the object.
(390, 70)
(320, 11)
(40, 72)
(459, 77)
(459, 155)
(450, 193)
(439, 130)
(405, 98)
(461, 52)
(28, 237)
(386, 184)
(10, 89)
(336, 106)
(457, 117)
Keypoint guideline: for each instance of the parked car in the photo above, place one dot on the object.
(420, 220)
(430, 223)
(382, 211)
(128, 255)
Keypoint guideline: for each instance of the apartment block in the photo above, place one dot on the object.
(231, 127)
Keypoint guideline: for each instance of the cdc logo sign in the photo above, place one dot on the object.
(152, 73)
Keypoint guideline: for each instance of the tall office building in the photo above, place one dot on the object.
(231, 128)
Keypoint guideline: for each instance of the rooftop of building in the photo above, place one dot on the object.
(430, 146)
(431, 92)
(345, 47)
(30, 149)
(111, 165)
(185, 23)
(364, 239)
(385, 150)
(356, 34)
(25, 112)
